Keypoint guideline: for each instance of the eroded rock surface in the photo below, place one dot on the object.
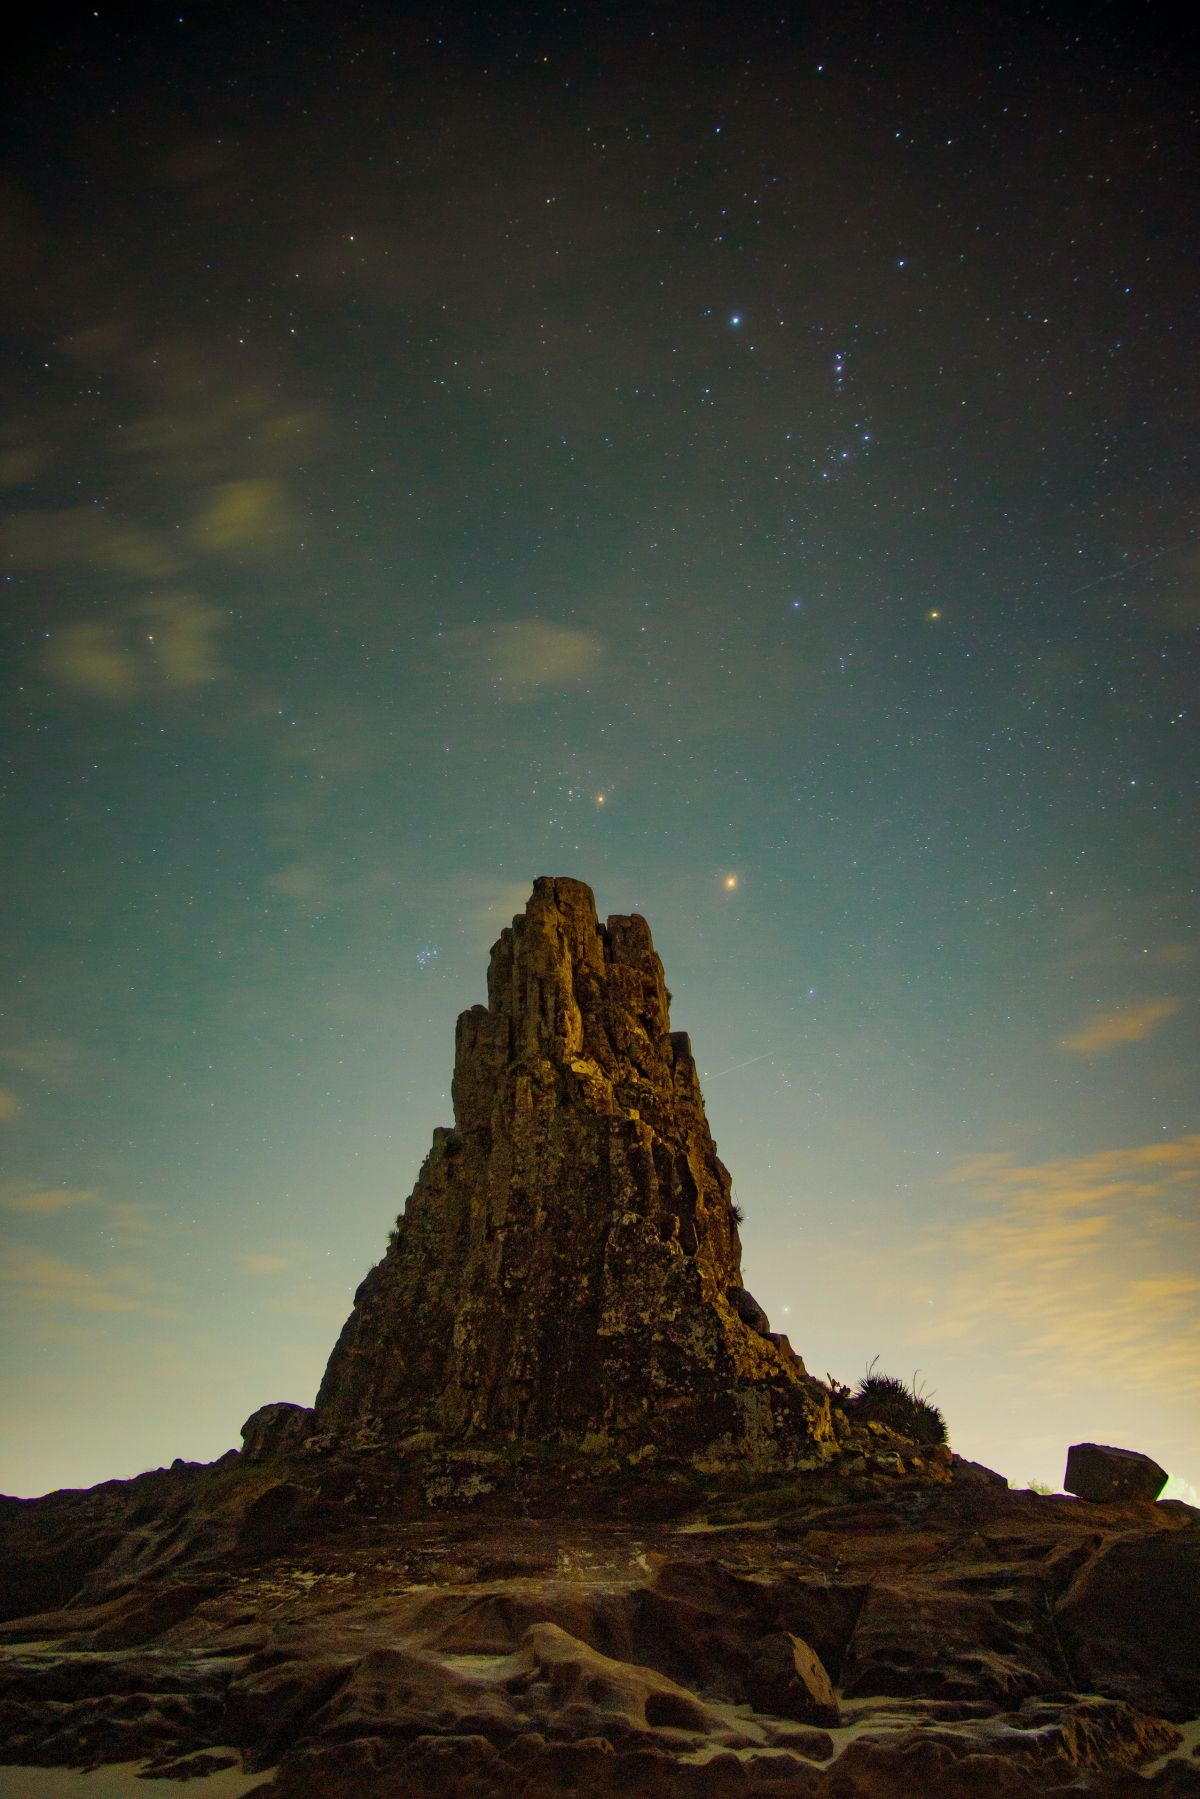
(568, 1267)
(589, 1627)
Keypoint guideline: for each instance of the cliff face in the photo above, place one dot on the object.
(568, 1265)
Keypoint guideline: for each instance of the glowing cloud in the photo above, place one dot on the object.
(94, 658)
(10, 1105)
(307, 885)
(183, 640)
(528, 657)
(487, 906)
(265, 1264)
(50, 1059)
(1131, 1024)
(45, 1202)
(165, 643)
(1088, 1266)
(42, 1279)
(243, 515)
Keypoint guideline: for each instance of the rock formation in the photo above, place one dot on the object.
(1099, 1473)
(796, 1638)
(568, 1266)
(569, 1519)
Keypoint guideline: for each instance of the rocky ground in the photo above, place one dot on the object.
(502, 1622)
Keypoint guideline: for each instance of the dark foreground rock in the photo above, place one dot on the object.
(507, 1622)
(1098, 1472)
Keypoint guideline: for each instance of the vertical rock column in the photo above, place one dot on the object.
(568, 1265)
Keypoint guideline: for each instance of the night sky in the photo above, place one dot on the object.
(744, 459)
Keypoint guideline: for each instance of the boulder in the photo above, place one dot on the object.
(1111, 1476)
(749, 1310)
(786, 1678)
(1128, 1622)
(275, 1430)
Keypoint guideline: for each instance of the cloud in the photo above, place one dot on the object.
(42, 1279)
(1087, 1266)
(45, 1202)
(124, 1222)
(85, 537)
(10, 1105)
(307, 885)
(182, 644)
(1129, 1024)
(93, 657)
(164, 643)
(22, 463)
(265, 1264)
(286, 1283)
(128, 1221)
(1172, 955)
(51, 1059)
(527, 657)
(531, 653)
(488, 906)
(250, 514)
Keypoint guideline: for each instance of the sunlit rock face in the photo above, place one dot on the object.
(568, 1267)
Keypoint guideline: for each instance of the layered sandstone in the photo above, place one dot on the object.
(568, 1266)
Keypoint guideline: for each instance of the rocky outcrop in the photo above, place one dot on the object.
(554, 1633)
(1102, 1474)
(274, 1430)
(568, 1267)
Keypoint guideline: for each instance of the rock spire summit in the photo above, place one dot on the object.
(568, 1267)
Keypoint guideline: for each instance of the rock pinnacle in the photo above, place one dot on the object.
(568, 1267)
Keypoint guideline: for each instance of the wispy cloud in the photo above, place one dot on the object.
(10, 1105)
(45, 1280)
(45, 1202)
(181, 637)
(164, 643)
(126, 1223)
(130, 1222)
(487, 906)
(21, 463)
(247, 515)
(525, 658)
(265, 1264)
(51, 1059)
(1087, 1266)
(1126, 1024)
(290, 1280)
(86, 537)
(93, 657)
(307, 884)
